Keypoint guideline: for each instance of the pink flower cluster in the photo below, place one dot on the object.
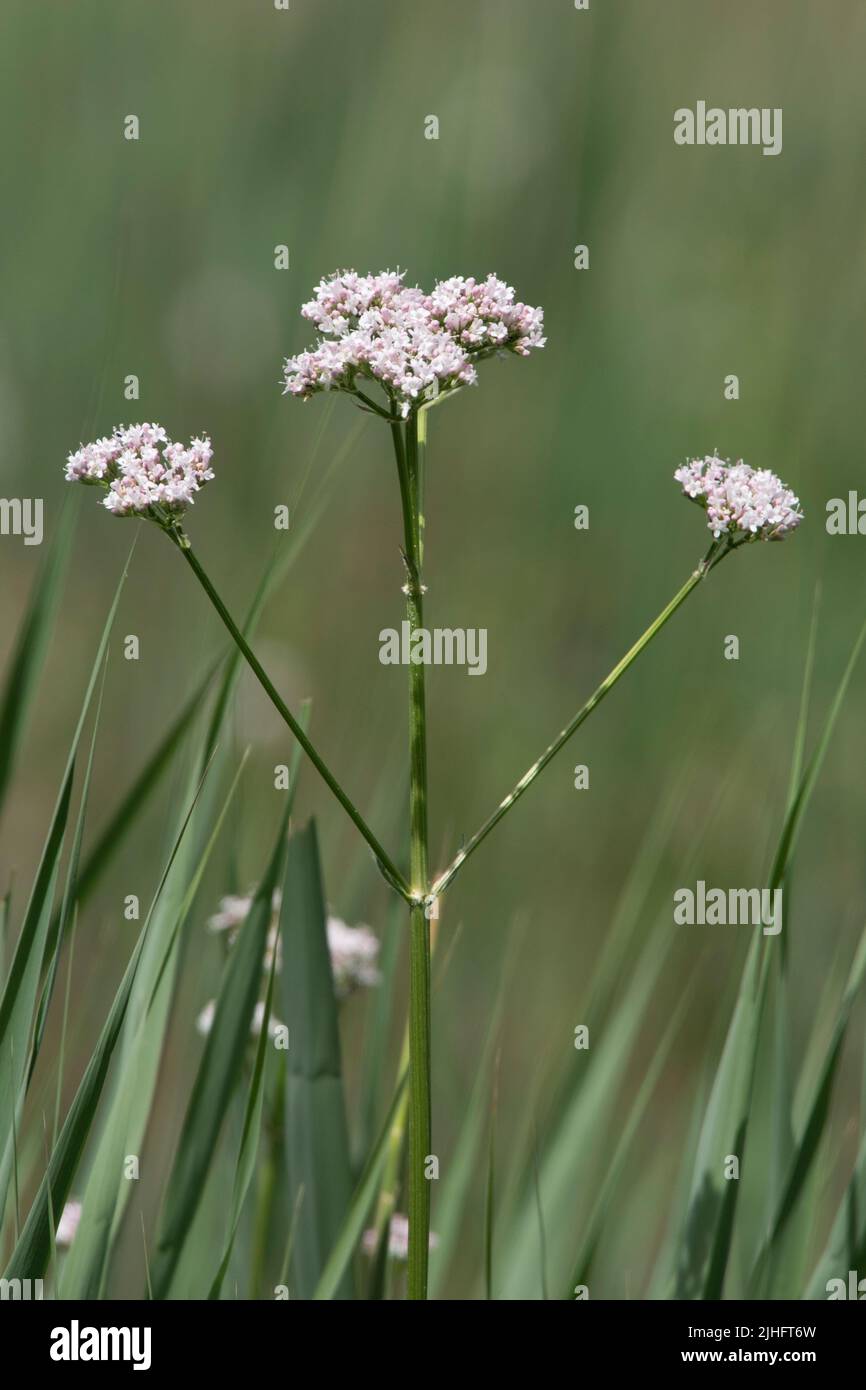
(739, 499)
(414, 344)
(140, 468)
(353, 950)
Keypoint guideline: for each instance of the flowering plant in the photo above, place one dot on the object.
(415, 349)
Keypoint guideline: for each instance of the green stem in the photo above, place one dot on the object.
(388, 868)
(409, 467)
(716, 553)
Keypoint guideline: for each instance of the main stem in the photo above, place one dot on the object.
(409, 445)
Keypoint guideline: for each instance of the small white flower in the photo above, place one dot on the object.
(354, 951)
(741, 502)
(398, 1238)
(204, 1022)
(68, 1224)
(136, 476)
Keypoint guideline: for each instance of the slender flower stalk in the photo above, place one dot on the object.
(389, 1188)
(143, 473)
(383, 859)
(743, 505)
(447, 876)
(410, 441)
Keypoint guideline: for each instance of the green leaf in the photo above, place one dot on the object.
(85, 1266)
(846, 1244)
(141, 1047)
(803, 1157)
(249, 1146)
(29, 651)
(593, 1228)
(317, 1140)
(68, 904)
(224, 1052)
(452, 1216)
(713, 1201)
(34, 1246)
(21, 989)
(125, 815)
(346, 1243)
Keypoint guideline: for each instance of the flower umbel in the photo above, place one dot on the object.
(142, 471)
(415, 345)
(741, 503)
(353, 950)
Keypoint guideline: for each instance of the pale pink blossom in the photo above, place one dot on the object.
(740, 502)
(68, 1224)
(414, 345)
(398, 1238)
(353, 951)
(204, 1022)
(142, 471)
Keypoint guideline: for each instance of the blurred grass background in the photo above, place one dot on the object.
(155, 257)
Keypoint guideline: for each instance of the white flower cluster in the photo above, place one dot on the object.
(141, 468)
(398, 1238)
(414, 344)
(751, 502)
(204, 1022)
(353, 950)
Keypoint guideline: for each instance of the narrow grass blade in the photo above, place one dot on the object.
(490, 1191)
(574, 1148)
(817, 1112)
(29, 651)
(125, 815)
(226, 1046)
(249, 1146)
(595, 1224)
(5, 909)
(52, 959)
(339, 1260)
(33, 1248)
(85, 1267)
(317, 1140)
(20, 992)
(456, 1185)
(800, 800)
(712, 1209)
(845, 1249)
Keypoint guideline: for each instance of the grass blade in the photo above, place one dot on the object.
(317, 1140)
(30, 650)
(34, 1245)
(220, 1065)
(349, 1236)
(20, 992)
